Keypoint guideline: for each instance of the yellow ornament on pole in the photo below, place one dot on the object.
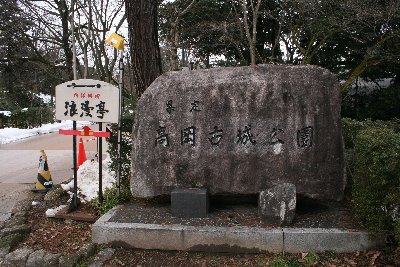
(116, 41)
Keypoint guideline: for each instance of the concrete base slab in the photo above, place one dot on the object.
(320, 239)
(179, 237)
(228, 239)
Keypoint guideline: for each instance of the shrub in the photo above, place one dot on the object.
(126, 144)
(4, 120)
(111, 196)
(30, 118)
(311, 259)
(376, 178)
(283, 261)
(351, 128)
(278, 262)
(397, 230)
(110, 199)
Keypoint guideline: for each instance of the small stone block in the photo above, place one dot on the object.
(190, 203)
(277, 205)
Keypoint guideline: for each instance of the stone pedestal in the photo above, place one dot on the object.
(190, 203)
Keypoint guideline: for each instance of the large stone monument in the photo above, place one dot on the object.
(240, 131)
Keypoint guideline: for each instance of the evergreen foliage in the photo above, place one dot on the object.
(376, 179)
(374, 172)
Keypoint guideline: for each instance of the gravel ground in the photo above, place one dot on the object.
(309, 214)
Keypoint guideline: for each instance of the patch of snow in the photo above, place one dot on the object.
(8, 135)
(88, 179)
(67, 187)
(6, 113)
(45, 98)
(51, 213)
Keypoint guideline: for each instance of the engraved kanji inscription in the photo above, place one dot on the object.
(275, 136)
(305, 137)
(195, 106)
(215, 136)
(188, 136)
(162, 137)
(245, 136)
(170, 107)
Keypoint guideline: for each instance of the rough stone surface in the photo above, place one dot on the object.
(103, 256)
(22, 206)
(68, 261)
(277, 205)
(4, 251)
(42, 258)
(87, 250)
(17, 257)
(190, 203)
(21, 229)
(15, 220)
(10, 240)
(239, 131)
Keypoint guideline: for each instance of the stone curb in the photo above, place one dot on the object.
(103, 256)
(15, 228)
(230, 239)
(30, 258)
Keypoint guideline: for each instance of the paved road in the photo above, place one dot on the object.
(19, 160)
(19, 165)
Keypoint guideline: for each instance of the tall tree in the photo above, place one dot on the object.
(210, 28)
(18, 75)
(96, 18)
(53, 19)
(250, 26)
(171, 18)
(143, 40)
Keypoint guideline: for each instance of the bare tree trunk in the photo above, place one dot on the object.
(174, 41)
(174, 34)
(143, 40)
(64, 15)
(251, 36)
